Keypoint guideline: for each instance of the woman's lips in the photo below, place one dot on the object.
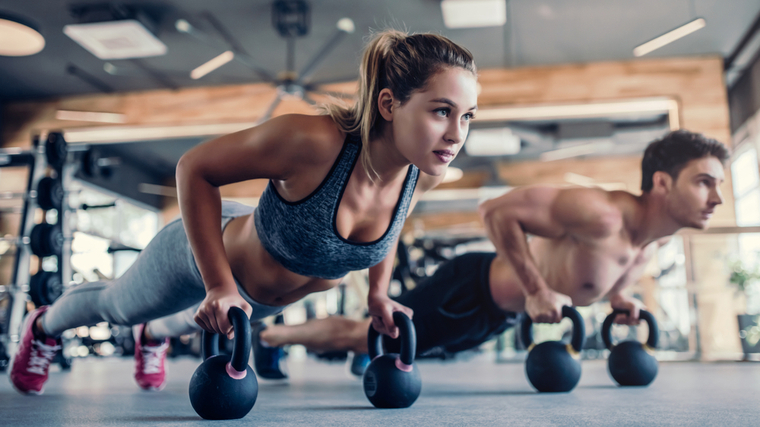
(445, 155)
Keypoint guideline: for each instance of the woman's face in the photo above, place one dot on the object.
(431, 127)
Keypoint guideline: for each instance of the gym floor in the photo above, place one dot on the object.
(474, 392)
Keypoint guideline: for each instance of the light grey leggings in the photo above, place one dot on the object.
(163, 286)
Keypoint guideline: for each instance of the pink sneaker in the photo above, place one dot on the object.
(29, 367)
(150, 372)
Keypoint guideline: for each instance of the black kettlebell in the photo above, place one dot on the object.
(224, 388)
(631, 362)
(554, 366)
(393, 380)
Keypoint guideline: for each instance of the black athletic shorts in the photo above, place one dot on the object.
(453, 308)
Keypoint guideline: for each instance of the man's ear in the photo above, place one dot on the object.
(662, 183)
(385, 104)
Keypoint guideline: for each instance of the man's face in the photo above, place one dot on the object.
(696, 192)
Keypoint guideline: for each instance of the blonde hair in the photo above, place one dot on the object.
(404, 64)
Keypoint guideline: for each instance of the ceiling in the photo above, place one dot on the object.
(538, 32)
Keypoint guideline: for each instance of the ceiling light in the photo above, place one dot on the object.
(577, 179)
(669, 37)
(122, 39)
(212, 65)
(577, 150)
(90, 116)
(585, 110)
(19, 37)
(346, 25)
(116, 134)
(474, 13)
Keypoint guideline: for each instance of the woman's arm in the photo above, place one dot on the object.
(379, 305)
(275, 150)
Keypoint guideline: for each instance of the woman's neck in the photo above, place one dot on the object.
(386, 160)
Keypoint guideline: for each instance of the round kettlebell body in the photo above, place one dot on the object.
(551, 367)
(387, 386)
(215, 395)
(224, 387)
(632, 363)
(554, 366)
(393, 380)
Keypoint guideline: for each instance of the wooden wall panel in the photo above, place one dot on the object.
(220, 104)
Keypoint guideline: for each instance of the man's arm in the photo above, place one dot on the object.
(624, 302)
(553, 213)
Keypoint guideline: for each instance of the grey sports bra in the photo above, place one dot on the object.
(302, 235)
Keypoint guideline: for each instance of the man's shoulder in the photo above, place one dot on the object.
(597, 212)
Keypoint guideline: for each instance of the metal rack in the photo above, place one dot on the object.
(48, 154)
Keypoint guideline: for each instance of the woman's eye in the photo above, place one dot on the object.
(468, 117)
(442, 112)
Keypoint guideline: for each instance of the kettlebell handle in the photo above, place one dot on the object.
(579, 329)
(407, 334)
(654, 332)
(242, 344)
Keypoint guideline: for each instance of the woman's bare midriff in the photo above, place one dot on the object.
(265, 279)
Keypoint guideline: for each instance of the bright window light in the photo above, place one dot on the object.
(492, 142)
(453, 174)
(474, 13)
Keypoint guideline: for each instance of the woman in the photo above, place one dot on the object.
(324, 213)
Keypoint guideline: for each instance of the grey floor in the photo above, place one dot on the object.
(474, 392)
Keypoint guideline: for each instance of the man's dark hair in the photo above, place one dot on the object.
(674, 151)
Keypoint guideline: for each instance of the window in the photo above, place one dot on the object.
(746, 181)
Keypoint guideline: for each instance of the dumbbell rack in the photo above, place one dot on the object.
(53, 153)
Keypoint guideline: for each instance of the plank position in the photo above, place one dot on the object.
(587, 244)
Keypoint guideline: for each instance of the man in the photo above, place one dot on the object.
(587, 244)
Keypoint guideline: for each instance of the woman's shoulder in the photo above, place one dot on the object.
(316, 138)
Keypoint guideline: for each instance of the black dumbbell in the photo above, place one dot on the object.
(56, 150)
(632, 363)
(49, 194)
(45, 287)
(44, 240)
(554, 366)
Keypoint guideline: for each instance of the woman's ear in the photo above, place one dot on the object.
(385, 103)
